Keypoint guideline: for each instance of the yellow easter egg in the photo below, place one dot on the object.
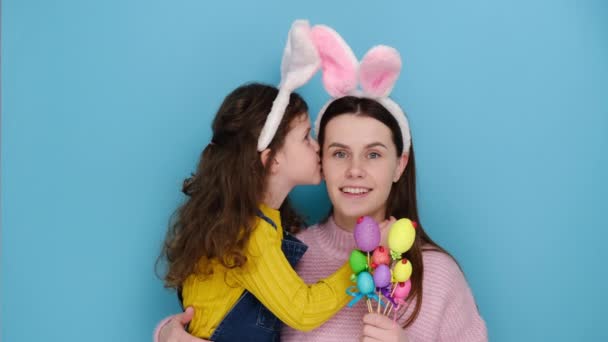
(402, 271)
(401, 236)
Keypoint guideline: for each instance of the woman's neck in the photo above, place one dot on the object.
(348, 223)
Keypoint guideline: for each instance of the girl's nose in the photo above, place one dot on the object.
(315, 145)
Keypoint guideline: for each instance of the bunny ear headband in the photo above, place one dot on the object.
(300, 62)
(376, 73)
(308, 49)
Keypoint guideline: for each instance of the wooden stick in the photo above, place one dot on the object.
(379, 300)
(395, 288)
(387, 307)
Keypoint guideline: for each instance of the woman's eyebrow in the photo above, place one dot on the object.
(337, 145)
(376, 144)
(371, 145)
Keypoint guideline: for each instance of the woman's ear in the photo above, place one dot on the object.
(401, 165)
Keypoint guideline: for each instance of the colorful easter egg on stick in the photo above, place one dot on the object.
(380, 257)
(401, 237)
(358, 261)
(402, 271)
(402, 290)
(382, 276)
(367, 234)
(365, 283)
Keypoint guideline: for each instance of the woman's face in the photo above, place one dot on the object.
(360, 164)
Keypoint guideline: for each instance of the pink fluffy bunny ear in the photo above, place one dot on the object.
(338, 61)
(379, 71)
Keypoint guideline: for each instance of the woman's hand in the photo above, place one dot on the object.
(174, 331)
(381, 328)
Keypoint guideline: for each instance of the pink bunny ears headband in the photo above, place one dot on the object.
(376, 73)
(307, 49)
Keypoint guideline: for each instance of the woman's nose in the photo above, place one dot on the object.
(355, 169)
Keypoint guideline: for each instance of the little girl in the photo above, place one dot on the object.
(227, 251)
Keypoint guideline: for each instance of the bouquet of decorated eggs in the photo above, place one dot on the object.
(380, 273)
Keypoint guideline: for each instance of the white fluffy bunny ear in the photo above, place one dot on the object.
(379, 71)
(300, 57)
(338, 61)
(300, 62)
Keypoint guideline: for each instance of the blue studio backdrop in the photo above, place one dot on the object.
(107, 104)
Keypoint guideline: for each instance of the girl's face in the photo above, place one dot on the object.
(299, 156)
(360, 164)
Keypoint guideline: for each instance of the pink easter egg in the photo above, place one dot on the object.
(367, 234)
(402, 290)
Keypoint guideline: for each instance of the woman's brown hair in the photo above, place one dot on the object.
(401, 202)
(225, 192)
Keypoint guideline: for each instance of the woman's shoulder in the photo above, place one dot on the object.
(441, 272)
(434, 258)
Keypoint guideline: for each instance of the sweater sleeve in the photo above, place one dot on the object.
(269, 277)
(461, 320)
(159, 326)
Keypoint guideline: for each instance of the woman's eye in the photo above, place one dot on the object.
(340, 154)
(374, 155)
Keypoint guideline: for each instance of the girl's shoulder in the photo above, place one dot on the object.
(263, 235)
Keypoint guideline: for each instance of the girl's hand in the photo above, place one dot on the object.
(381, 328)
(174, 331)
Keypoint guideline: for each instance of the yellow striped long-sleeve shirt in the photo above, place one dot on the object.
(269, 277)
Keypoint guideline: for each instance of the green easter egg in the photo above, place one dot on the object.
(358, 261)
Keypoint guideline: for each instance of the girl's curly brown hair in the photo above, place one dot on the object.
(218, 217)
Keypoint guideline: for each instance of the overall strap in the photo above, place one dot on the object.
(261, 215)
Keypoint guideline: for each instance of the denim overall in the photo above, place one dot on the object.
(249, 320)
